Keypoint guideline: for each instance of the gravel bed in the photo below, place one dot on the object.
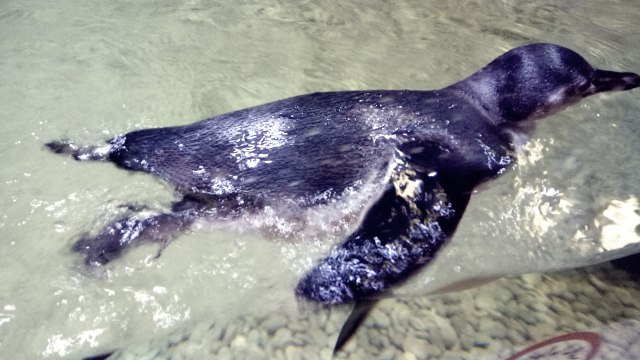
(490, 322)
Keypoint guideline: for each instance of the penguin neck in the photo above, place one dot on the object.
(481, 89)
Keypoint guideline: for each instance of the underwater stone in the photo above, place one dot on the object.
(381, 319)
(408, 356)
(273, 323)
(388, 354)
(416, 346)
(419, 322)
(501, 294)
(295, 353)
(282, 337)
(400, 315)
(224, 353)
(446, 332)
(379, 338)
(256, 336)
(239, 342)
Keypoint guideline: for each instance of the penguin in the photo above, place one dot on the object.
(422, 152)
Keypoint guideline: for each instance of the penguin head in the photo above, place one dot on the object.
(536, 80)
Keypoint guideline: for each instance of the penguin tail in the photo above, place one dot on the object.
(84, 152)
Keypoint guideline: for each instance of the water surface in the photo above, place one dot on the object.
(90, 70)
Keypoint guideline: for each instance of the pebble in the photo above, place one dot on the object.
(493, 328)
(626, 298)
(482, 340)
(295, 353)
(485, 301)
(450, 299)
(388, 353)
(178, 336)
(599, 284)
(360, 354)
(561, 309)
(298, 326)
(533, 279)
(446, 311)
(326, 353)
(446, 332)
(424, 302)
(408, 356)
(224, 353)
(461, 325)
(314, 336)
(380, 319)
(378, 338)
(502, 294)
(229, 332)
(319, 319)
(201, 330)
(256, 336)
(279, 354)
(396, 338)
(239, 342)
(273, 323)
(216, 332)
(255, 353)
(419, 322)
(582, 306)
(282, 338)
(420, 348)
(400, 315)
(528, 317)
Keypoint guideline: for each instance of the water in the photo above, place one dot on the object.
(92, 69)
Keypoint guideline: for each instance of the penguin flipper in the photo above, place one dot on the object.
(401, 232)
(419, 209)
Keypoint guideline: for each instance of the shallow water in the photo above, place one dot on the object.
(89, 70)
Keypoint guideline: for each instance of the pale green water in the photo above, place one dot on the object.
(93, 69)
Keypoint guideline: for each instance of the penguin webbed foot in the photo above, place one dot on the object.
(109, 243)
(114, 238)
(133, 207)
(80, 152)
(64, 146)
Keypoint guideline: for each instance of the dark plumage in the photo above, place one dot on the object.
(425, 152)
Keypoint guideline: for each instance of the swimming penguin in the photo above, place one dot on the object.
(424, 152)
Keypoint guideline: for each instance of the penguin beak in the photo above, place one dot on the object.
(604, 80)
